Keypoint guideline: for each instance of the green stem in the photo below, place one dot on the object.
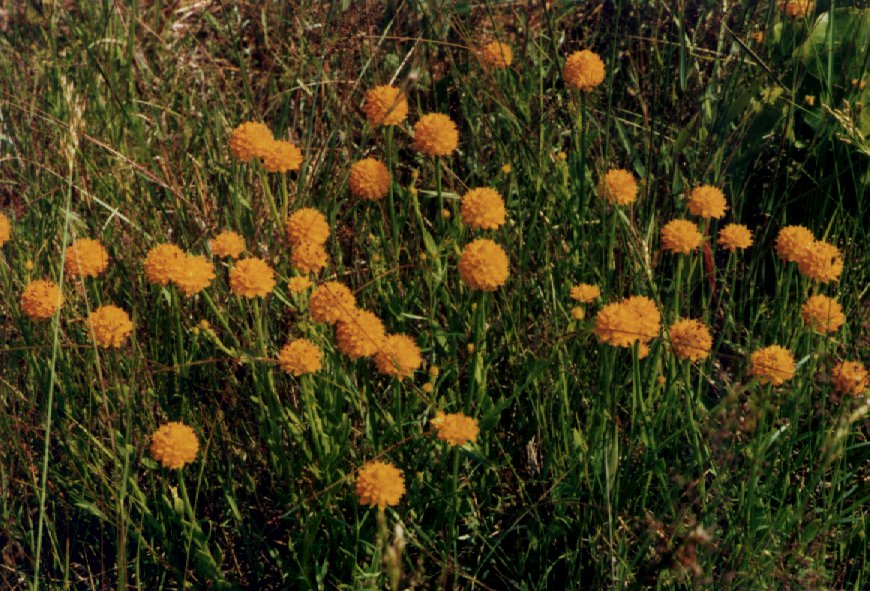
(394, 226)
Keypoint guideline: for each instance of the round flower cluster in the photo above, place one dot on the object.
(385, 105)
(249, 140)
(300, 357)
(379, 484)
(251, 278)
(621, 324)
(690, 339)
(162, 263)
(823, 314)
(821, 262)
(309, 257)
(850, 377)
(772, 365)
(792, 241)
(298, 284)
(110, 325)
(482, 209)
(331, 302)
(361, 334)
(483, 265)
(41, 299)
(618, 186)
(227, 244)
(585, 293)
(194, 274)
(398, 356)
(369, 179)
(583, 70)
(308, 231)
(174, 445)
(495, 55)
(435, 134)
(281, 156)
(86, 258)
(681, 236)
(797, 8)
(5, 229)
(707, 202)
(578, 313)
(735, 236)
(455, 428)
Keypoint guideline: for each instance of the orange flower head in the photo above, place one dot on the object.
(578, 313)
(797, 8)
(621, 324)
(249, 140)
(823, 314)
(850, 377)
(307, 225)
(385, 105)
(298, 284)
(436, 135)
(41, 299)
(455, 428)
(309, 257)
(681, 236)
(281, 156)
(585, 293)
(331, 302)
(5, 229)
(193, 275)
(379, 484)
(821, 262)
(772, 365)
(110, 326)
(369, 179)
(174, 445)
(86, 258)
(300, 357)
(792, 241)
(482, 209)
(251, 278)
(707, 202)
(484, 265)
(645, 317)
(227, 244)
(399, 356)
(162, 263)
(495, 55)
(690, 339)
(618, 186)
(583, 70)
(361, 334)
(735, 236)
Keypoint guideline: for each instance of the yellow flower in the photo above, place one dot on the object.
(495, 55)
(455, 428)
(86, 258)
(821, 262)
(308, 257)
(735, 236)
(578, 313)
(331, 302)
(379, 484)
(681, 236)
(174, 445)
(249, 140)
(797, 8)
(707, 202)
(823, 314)
(162, 263)
(110, 326)
(5, 229)
(281, 156)
(298, 284)
(646, 317)
(385, 105)
(193, 275)
(618, 186)
(621, 324)
(300, 357)
(436, 135)
(482, 209)
(850, 377)
(41, 299)
(227, 244)
(506, 168)
(252, 278)
(307, 225)
(361, 334)
(483, 265)
(583, 70)
(369, 179)
(772, 365)
(399, 356)
(428, 387)
(792, 241)
(690, 339)
(585, 293)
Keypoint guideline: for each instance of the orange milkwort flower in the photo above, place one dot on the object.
(482, 209)
(772, 365)
(681, 236)
(86, 258)
(369, 179)
(484, 265)
(585, 293)
(735, 236)
(308, 257)
(850, 377)
(690, 339)
(583, 70)
(249, 140)
(821, 262)
(194, 274)
(385, 105)
(435, 134)
(823, 314)
(300, 357)
(281, 156)
(399, 356)
(707, 202)
(361, 334)
(227, 244)
(5, 229)
(379, 484)
(307, 225)
(797, 8)
(618, 186)
(110, 326)
(495, 55)
(455, 428)
(331, 302)
(41, 299)
(162, 263)
(252, 278)
(578, 313)
(298, 284)
(621, 324)
(174, 445)
(792, 241)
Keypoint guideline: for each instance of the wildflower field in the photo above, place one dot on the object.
(434, 294)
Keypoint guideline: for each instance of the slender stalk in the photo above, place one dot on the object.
(394, 226)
